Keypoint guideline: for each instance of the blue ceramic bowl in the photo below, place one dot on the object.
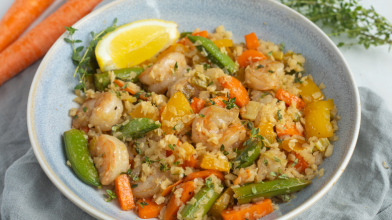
(51, 92)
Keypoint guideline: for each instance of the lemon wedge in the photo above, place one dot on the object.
(131, 44)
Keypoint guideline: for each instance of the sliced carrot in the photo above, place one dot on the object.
(33, 45)
(201, 34)
(148, 208)
(219, 101)
(192, 162)
(121, 84)
(124, 192)
(204, 174)
(248, 211)
(236, 89)
(289, 99)
(175, 203)
(167, 191)
(197, 105)
(250, 56)
(252, 43)
(301, 163)
(288, 130)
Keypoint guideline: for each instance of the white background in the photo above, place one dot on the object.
(372, 68)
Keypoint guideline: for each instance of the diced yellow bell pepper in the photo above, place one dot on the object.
(289, 147)
(310, 92)
(211, 162)
(223, 43)
(173, 48)
(145, 110)
(317, 119)
(186, 150)
(278, 55)
(267, 131)
(176, 108)
(250, 110)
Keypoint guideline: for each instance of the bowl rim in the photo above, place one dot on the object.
(100, 215)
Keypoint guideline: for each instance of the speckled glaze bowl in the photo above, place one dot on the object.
(51, 92)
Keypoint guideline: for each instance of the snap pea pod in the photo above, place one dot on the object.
(101, 80)
(136, 128)
(248, 155)
(205, 198)
(246, 194)
(184, 34)
(222, 203)
(76, 148)
(214, 54)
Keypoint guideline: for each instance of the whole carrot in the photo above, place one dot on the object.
(32, 46)
(18, 18)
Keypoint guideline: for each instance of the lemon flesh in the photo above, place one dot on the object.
(133, 43)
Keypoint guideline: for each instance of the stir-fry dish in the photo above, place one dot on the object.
(204, 128)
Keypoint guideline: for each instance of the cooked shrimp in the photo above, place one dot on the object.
(264, 74)
(164, 72)
(107, 111)
(83, 114)
(183, 85)
(218, 126)
(103, 111)
(110, 157)
(149, 187)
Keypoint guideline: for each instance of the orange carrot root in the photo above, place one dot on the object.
(124, 192)
(173, 207)
(250, 56)
(32, 46)
(289, 99)
(252, 43)
(249, 211)
(236, 89)
(197, 105)
(148, 208)
(18, 18)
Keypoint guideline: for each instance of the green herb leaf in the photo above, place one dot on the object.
(278, 115)
(134, 186)
(143, 203)
(281, 46)
(295, 162)
(269, 53)
(110, 195)
(254, 190)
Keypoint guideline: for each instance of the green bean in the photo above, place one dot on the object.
(222, 203)
(214, 54)
(76, 148)
(135, 128)
(248, 155)
(246, 194)
(205, 199)
(101, 80)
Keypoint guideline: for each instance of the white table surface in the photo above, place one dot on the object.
(371, 68)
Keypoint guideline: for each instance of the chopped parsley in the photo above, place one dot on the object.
(137, 150)
(174, 127)
(149, 161)
(273, 174)
(259, 66)
(76, 116)
(110, 195)
(125, 86)
(297, 78)
(271, 71)
(142, 204)
(210, 83)
(163, 167)
(191, 111)
(277, 159)
(230, 104)
(278, 139)
(295, 162)
(175, 67)
(201, 115)
(283, 176)
(266, 162)
(85, 109)
(176, 163)
(281, 46)
(209, 183)
(206, 66)
(278, 115)
(212, 102)
(222, 148)
(249, 125)
(286, 198)
(172, 146)
(134, 186)
(270, 53)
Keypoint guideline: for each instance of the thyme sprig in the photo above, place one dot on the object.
(366, 26)
(83, 63)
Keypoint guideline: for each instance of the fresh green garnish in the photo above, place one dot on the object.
(269, 53)
(142, 204)
(295, 162)
(164, 167)
(349, 18)
(134, 186)
(110, 195)
(259, 66)
(209, 182)
(83, 63)
(278, 115)
(281, 46)
(230, 104)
